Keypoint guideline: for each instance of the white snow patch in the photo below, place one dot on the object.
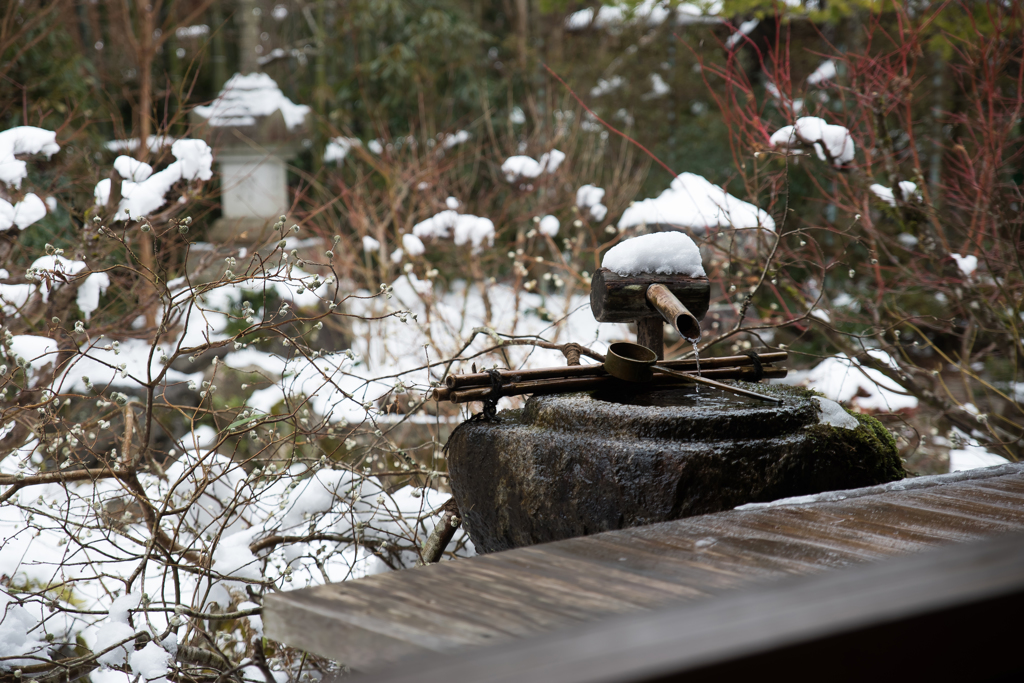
(338, 148)
(453, 139)
(194, 161)
(370, 244)
(467, 228)
(967, 264)
(819, 134)
(607, 85)
(154, 143)
(520, 166)
(744, 30)
(132, 169)
(691, 201)
(245, 98)
(907, 190)
(549, 225)
(661, 252)
(151, 662)
(23, 140)
(848, 381)
(452, 203)
(833, 414)
(826, 71)
(589, 195)
(18, 628)
(412, 245)
(23, 214)
(659, 88)
(972, 457)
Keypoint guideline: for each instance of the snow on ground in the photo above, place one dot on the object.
(830, 142)
(972, 457)
(661, 252)
(693, 202)
(848, 381)
(245, 98)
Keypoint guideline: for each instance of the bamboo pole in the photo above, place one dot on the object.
(597, 369)
(564, 385)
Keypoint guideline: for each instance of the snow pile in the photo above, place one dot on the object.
(517, 167)
(549, 225)
(18, 631)
(338, 148)
(412, 245)
(115, 630)
(833, 414)
(152, 663)
(907, 190)
(846, 380)
(132, 169)
(467, 228)
(966, 264)
(23, 140)
(826, 71)
(247, 97)
(370, 244)
(194, 161)
(663, 253)
(693, 202)
(23, 214)
(589, 198)
(971, 457)
(830, 142)
(52, 271)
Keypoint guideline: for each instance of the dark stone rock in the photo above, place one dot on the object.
(579, 464)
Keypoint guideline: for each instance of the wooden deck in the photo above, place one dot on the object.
(528, 592)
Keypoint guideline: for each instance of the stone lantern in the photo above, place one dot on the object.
(254, 130)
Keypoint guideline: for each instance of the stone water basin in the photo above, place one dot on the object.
(576, 464)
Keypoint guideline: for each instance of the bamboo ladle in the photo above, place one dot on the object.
(636, 363)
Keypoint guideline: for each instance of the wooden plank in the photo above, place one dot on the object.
(851, 625)
(522, 593)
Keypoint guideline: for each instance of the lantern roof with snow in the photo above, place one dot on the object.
(692, 202)
(253, 104)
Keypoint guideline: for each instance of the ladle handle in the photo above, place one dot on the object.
(719, 385)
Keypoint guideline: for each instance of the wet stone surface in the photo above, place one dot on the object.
(579, 464)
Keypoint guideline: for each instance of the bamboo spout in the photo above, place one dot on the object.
(674, 312)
